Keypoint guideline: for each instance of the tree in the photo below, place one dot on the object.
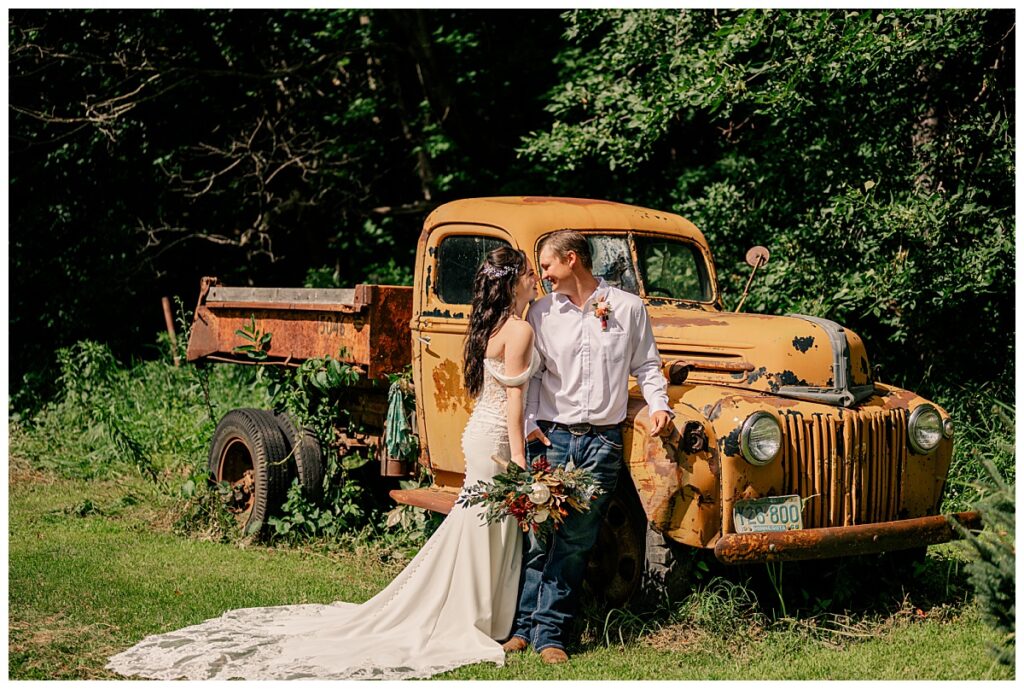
(871, 151)
(251, 145)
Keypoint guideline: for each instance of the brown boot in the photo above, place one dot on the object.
(516, 644)
(554, 656)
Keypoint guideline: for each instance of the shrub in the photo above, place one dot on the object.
(992, 571)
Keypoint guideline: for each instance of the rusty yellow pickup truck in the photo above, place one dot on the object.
(784, 446)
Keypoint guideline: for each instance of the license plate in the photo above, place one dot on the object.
(780, 513)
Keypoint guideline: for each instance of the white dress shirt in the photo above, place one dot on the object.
(585, 373)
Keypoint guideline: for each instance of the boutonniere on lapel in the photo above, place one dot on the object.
(601, 310)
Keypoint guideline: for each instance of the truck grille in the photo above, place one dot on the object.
(854, 465)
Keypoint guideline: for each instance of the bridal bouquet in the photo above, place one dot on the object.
(535, 497)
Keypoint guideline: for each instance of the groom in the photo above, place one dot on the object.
(591, 337)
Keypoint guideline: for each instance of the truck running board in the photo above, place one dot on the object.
(433, 499)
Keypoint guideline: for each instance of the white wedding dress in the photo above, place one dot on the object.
(451, 606)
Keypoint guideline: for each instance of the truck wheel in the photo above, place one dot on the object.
(669, 570)
(308, 463)
(616, 566)
(248, 451)
(633, 562)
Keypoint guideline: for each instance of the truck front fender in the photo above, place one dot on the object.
(678, 486)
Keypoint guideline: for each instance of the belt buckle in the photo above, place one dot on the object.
(579, 428)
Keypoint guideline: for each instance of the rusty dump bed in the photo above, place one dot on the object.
(369, 322)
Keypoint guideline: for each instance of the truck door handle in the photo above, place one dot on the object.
(425, 339)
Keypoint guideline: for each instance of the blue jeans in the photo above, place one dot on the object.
(553, 569)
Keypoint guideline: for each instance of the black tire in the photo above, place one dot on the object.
(248, 451)
(631, 562)
(616, 565)
(668, 575)
(306, 460)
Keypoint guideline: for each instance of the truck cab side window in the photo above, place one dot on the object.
(458, 258)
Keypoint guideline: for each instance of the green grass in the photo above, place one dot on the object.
(92, 572)
(918, 651)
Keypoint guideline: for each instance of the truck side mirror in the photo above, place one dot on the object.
(757, 256)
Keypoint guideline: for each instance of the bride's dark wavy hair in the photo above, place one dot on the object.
(494, 297)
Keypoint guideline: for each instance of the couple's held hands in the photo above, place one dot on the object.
(659, 422)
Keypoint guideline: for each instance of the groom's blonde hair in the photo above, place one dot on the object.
(564, 241)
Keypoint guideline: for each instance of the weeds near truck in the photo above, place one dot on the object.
(984, 433)
(257, 342)
(311, 394)
(774, 571)
(203, 514)
(721, 608)
(154, 420)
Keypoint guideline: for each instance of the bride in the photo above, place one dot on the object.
(454, 603)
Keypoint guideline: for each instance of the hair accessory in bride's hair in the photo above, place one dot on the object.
(495, 272)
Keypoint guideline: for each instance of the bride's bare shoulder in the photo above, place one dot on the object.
(515, 336)
(517, 329)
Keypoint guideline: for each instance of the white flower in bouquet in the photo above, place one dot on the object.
(541, 516)
(539, 494)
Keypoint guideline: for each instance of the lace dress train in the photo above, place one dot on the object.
(451, 606)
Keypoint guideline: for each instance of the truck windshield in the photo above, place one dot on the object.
(668, 268)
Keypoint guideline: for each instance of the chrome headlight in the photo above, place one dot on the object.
(947, 428)
(760, 438)
(924, 430)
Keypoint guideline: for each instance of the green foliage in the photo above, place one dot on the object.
(302, 519)
(312, 395)
(719, 608)
(722, 607)
(993, 570)
(257, 342)
(156, 420)
(241, 144)
(390, 273)
(871, 152)
(984, 435)
(413, 525)
(149, 418)
(202, 509)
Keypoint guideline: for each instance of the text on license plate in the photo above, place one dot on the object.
(779, 513)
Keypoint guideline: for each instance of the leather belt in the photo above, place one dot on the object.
(579, 428)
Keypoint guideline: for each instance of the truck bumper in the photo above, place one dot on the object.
(840, 541)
